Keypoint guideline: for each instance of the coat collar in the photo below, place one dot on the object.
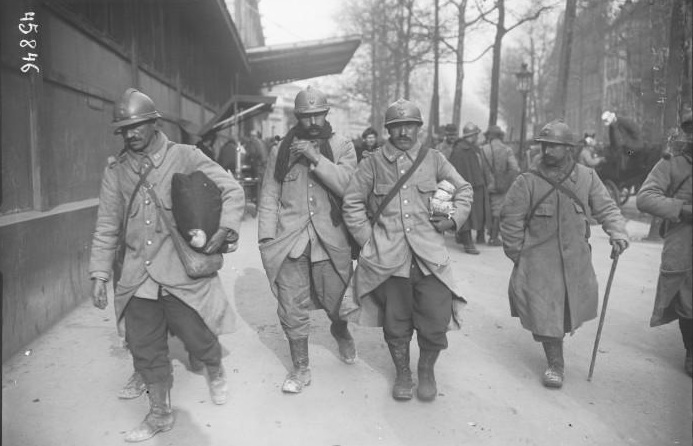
(391, 153)
(559, 172)
(138, 161)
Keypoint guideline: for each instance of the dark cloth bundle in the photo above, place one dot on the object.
(196, 205)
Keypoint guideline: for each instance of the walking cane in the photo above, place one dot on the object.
(614, 255)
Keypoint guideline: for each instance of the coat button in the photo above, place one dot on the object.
(149, 242)
(404, 187)
(312, 213)
(310, 199)
(408, 229)
(148, 222)
(402, 171)
(147, 262)
(147, 201)
(406, 201)
(406, 215)
(310, 184)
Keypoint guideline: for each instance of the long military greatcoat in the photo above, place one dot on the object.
(674, 291)
(404, 223)
(288, 207)
(150, 250)
(551, 252)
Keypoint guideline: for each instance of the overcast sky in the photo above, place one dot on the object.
(286, 21)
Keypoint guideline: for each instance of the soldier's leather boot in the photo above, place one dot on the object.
(403, 388)
(133, 388)
(218, 388)
(299, 377)
(494, 239)
(160, 417)
(345, 342)
(427, 389)
(553, 376)
(480, 238)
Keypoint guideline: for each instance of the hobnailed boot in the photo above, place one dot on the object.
(466, 238)
(299, 377)
(495, 232)
(160, 417)
(403, 390)
(553, 376)
(133, 388)
(427, 390)
(218, 388)
(345, 342)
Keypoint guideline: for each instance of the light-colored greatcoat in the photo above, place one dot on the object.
(287, 208)
(675, 271)
(553, 261)
(150, 250)
(404, 223)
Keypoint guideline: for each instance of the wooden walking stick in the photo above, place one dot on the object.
(614, 255)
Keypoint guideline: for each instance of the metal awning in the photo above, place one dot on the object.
(237, 109)
(271, 65)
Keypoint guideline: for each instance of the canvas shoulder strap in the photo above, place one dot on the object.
(554, 185)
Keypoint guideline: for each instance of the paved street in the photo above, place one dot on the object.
(62, 390)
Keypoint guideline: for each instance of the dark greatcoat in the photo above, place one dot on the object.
(466, 158)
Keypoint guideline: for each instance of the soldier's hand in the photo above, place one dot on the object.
(619, 245)
(265, 240)
(216, 241)
(309, 149)
(442, 224)
(98, 293)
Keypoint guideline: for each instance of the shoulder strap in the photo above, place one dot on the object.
(679, 186)
(555, 185)
(395, 189)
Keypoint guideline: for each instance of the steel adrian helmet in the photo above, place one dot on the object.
(403, 111)
(470, 129)
(494, 131)
(310, 101)
(132, 108)
(450, 129)
(556, 132)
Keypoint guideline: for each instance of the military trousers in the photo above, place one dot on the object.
(418, 302)
(147, 324)
(303, 286)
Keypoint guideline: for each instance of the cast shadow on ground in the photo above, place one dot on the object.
(258, 307)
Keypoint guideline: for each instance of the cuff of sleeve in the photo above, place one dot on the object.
(100, 275)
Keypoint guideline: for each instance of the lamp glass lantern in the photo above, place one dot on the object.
(524, 79)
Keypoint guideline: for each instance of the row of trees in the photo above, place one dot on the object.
(404, 39)
(403, 36)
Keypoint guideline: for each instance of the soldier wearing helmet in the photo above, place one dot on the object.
(467, 159)
(545, 228)
(503, 164)
(667, 193)
(451, 134)
(303, 241)
(154, 293)
(404, 277)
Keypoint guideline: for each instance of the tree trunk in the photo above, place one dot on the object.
(495, 70)
(564, 64)
(374, 75)
(459, 79)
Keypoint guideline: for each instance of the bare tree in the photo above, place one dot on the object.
(501, 30)
(564, 64)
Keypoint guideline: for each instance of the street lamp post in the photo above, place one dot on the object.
(524, 85)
